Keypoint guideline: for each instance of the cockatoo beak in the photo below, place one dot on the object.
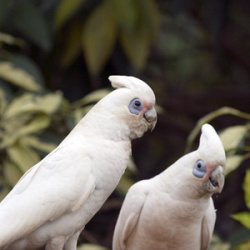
(151, 116)
(216, 180)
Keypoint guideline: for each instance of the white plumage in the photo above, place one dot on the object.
(174, 210)
(53, 201)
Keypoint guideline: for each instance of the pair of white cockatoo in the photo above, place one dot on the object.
(51, 204)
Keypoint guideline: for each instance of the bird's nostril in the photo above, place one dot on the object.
(214, 182)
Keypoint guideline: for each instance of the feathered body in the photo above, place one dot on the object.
(53, 201)
(174, 210)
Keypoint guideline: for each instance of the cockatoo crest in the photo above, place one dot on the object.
(129, 82)
(211, 146)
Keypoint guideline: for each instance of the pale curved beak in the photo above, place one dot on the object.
(216, 180)
(151, 116)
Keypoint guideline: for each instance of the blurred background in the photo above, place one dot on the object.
(55, 59)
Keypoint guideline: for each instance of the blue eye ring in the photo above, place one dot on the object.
(200, 169)
(135, 106)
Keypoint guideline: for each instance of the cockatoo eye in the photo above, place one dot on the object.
(135, 106)
(200, 169)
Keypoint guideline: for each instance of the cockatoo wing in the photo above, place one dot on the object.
(207, 227)
(129, 214)
(54, 186)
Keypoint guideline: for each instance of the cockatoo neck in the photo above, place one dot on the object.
(116, 132)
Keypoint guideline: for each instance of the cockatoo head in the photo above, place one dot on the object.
(126, 113)
(209, 161)
(202, 172)
(134, 103)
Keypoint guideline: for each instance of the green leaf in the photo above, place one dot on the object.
(48, 104)
(233, 162)
(11, 173)
(22, 62)
(91, 247)
(81, 107)
(243, 246)
(5, 95)
(65, 10)
(232, 136)
(239, 236)
(72, 46)
(217, 244)
(136, 41)
(246, 187)
(3, 101)
(243, 218)
(23, 156)
(136, 45)
(11, 40)
(125, 183)
(37, 124)
(93, 97)
(151, 17)
(34, 142)
(98, 37)
(17, 76)
(131, 165)
(208, 118)
(28, 19)
(10, 128)
(125, 12)
(79, 113)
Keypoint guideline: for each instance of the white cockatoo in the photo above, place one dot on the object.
(174, 210)
(53, 201)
